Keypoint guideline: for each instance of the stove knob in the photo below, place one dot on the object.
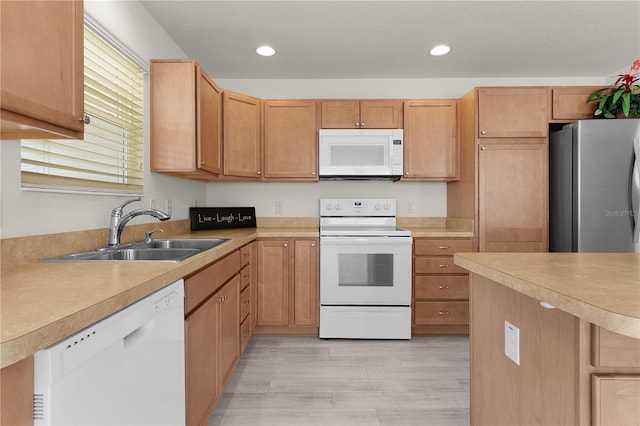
(387, 206)
(338, 206)
(329, 207)
(378, 206)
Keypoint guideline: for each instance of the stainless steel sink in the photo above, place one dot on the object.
(186, 243)
(169, 250)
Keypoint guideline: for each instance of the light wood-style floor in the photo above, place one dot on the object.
(297, 381)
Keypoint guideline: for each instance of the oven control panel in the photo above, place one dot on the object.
(353, 207)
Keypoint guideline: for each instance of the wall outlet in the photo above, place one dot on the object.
(411, 208)
(279, 207)
(512, 342)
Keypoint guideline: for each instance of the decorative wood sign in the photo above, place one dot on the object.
(222, 217)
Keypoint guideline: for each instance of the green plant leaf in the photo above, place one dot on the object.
(603, 101)
(596, 94)
(616, 96)
(626, 103)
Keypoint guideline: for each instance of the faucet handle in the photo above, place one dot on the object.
(147, 235)
(118, 210)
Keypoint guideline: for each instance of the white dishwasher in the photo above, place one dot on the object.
(127, 369)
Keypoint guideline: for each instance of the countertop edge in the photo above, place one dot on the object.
(613, 321)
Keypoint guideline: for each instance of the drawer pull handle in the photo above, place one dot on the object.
(443, 265)
(246, 254)
(443, 287)
(443, 312)
(444, 247)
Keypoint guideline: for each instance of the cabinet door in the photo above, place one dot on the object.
(615, 399)
(305, 282)
(381, 114)
(242, 130)
(290, 140)
(570, 103)
(201, 376)
(173, 116)
(42, 69)
(340, 114)
(273, 282)
(430, 140)
(209, 113)
(229, 297)
(513, 197)
(505, 112)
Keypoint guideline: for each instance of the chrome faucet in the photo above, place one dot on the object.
(118, 220)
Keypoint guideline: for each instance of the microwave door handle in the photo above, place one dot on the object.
(635, 191)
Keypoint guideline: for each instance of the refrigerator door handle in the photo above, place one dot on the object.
(635, 191)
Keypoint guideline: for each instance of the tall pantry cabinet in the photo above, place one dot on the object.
(503, 184)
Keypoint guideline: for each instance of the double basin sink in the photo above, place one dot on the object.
(161, 250)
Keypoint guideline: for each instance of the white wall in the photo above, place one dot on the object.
(32, 213)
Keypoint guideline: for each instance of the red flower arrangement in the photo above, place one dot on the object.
(622, 98)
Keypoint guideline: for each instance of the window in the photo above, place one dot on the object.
(110, 158)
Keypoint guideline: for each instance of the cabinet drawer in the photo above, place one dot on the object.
(245, 277)
(615, 399)
(609, 349)
(437, 265)
(245, 333)
(245, 255)
(245, 303)
(200, 285)
(441, 287)
(437, 247)
(430, 313)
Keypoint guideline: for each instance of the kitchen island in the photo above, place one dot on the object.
(576, 356)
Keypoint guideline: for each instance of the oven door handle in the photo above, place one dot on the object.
(365, 240)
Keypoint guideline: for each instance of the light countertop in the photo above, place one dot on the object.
(601, 288)
(42, 303)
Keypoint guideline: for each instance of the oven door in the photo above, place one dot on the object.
(365, 271)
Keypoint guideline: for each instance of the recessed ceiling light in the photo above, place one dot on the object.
(441, 49)
(265, 51)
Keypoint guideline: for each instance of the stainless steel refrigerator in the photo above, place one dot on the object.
(594, 187)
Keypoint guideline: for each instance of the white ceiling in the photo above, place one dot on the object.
(391, 39)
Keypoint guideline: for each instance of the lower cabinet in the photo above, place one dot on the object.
(570, 372)
(212, 334)
(440, 288)
(287, 286)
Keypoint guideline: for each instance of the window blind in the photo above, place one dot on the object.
(110, 158)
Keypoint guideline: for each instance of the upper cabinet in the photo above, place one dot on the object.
(242, 135)
(570, 103)
(41, 68)
(361, 114)
(186, 120)
(291, 140)
(430, 140)
(512, 112)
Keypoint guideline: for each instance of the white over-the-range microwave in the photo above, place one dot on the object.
(361, 154)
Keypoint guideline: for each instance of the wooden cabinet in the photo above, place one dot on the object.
(288, 286)
(242, 135)
(508, 112)
(186, 120)
(42, 69)
(615, 399)
(557, 381)
(430, 140)
(16, 393)
(440, 288)
(362, 114)
(212, 334)
(513, 200)
(291, 140)
(247, 293)
(570, 103)
(503, 181)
